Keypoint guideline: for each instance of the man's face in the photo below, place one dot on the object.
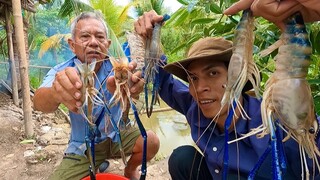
(90, 40)
(207, 85)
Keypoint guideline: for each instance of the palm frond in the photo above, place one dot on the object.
(157, 6)
(71, 7)
(114, 15)
(52, 42)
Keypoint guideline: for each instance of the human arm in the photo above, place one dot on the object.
(277, 11)
(65, 89)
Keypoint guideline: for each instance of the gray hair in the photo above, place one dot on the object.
(87, 15)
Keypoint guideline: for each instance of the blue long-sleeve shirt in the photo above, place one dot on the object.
(79, 127)
(244, 155)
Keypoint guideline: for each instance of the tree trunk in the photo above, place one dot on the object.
(24, 72)
(16, 59)
(13, 76)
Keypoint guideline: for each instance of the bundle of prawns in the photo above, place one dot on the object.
(241, 66)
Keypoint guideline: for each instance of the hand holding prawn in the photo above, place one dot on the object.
(278, 11)
(144, 25)
(66, 88)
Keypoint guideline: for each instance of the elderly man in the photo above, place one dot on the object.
(62, 85)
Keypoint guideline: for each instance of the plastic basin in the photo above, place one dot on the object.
(107, 176)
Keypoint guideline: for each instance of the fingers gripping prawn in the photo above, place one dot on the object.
(242, 67)
(89, 93)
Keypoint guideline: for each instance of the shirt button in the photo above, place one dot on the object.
(214, 149)
(216, 171)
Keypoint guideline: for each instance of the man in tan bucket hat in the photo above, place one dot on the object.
(206, 70)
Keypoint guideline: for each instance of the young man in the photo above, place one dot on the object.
(206, 71)
(62, 85)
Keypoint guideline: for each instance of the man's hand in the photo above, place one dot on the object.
(144, 25)
(136, 82)
(277, 11)
(66, 89)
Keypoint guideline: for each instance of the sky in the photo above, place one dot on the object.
(172, 4)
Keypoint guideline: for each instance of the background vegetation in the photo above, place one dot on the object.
(195, 19)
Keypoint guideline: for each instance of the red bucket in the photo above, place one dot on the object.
(107, 176)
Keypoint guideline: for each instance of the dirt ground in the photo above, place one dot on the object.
(35, 160)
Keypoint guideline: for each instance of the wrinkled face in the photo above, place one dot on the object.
(90, 40)
(207, 85)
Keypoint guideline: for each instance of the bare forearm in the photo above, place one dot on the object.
(44, 100)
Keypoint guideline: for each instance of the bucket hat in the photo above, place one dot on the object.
(213, 48)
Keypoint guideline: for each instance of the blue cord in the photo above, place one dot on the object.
(226, 149)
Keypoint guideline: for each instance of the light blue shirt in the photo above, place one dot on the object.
(79, 127)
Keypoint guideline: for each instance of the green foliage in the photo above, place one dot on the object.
(46, 24)
(142, 6)
(194, 20)
(35, 77)
(314, 30)
(197, 19)
(64, 108)
(3, 42)
(114, 15)
(73, 7)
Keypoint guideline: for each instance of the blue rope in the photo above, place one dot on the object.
(279, 165)
(276, 170)
(255, 169)
(145, 137)
(155, 89)
(226, 149)
(92, 133)
(282, 158)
